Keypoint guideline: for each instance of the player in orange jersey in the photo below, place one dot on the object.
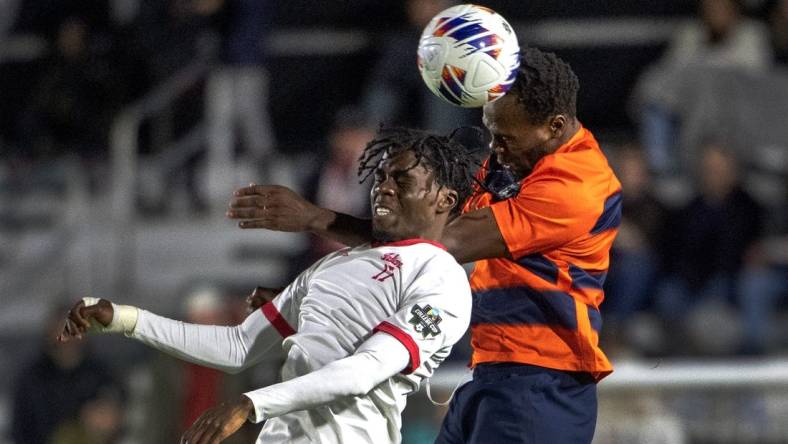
(540, 231)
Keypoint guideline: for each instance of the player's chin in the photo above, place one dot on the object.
(382, 222)
(382, 230)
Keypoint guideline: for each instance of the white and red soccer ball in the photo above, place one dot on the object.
(468, 55)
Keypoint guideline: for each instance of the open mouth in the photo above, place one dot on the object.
(382, 211)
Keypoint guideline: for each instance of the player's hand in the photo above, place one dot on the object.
(219, 422)
(275, 208)
(79, 318)
(260, 296)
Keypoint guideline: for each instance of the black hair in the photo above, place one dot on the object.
(545, 85)
(453, 164)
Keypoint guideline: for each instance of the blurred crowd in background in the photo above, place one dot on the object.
(688, 98)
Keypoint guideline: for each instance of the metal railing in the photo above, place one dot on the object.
(124, 154)
(680, 401)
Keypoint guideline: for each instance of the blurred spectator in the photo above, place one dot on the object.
(778, 27)
(236, 96)
(636, 251)
(43, 17)
(71, 106)
(396, 94)
(762, 291)
(166, 36)
(707, 242)
(336, 182)
(53, 389)
(185, 390)
(722, 38)
(99, 421)
(8, 18)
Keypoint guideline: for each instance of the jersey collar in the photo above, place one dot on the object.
(573, 141)
(407, 242)
(579, 135)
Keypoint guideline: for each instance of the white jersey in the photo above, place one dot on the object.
(412, 290)
(337, 325)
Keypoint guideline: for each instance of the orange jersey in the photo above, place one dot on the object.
(542, 306)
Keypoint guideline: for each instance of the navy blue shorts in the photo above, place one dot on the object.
(518, 403)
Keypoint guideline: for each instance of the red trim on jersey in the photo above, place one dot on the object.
(407, 242)
(406, 340)
(276, 319)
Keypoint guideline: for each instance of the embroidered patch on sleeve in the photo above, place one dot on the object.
(425, 320)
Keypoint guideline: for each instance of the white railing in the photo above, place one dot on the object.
(739, 374)
(666, 375)
(124, 154)
(736, 401)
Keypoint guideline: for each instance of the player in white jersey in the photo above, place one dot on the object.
(354, 334)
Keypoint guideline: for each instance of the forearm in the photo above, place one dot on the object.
(342, 228)
(381, 357)
(473, 236)
(224, 348)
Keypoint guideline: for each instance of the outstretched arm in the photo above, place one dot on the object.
(278, 208)
(377, 359)
(472, 236)
(229, 349)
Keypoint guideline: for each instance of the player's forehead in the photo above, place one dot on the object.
(507, 117)
(402, 162)
(501, 116)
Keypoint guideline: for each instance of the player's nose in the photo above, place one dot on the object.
(385, 187)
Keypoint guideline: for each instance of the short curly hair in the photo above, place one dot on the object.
(452, 163)
(545, 85)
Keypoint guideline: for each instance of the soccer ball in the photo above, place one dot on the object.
(468, 55)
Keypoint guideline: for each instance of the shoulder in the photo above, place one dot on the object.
(431, 256)
(578, 167)
(580, 160)
(572, 184)
(439, 273)
(419, 256)
(342, 253)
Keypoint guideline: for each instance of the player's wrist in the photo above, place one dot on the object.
(124, 318)
(248, 405)
(322, 220)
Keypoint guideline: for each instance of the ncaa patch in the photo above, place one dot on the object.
(425, 320)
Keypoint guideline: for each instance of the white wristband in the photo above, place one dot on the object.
(124, 318)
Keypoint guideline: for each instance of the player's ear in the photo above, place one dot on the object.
(557, 125)
(447, 199)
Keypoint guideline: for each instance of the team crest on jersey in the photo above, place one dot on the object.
(425, 320)
(391, 263)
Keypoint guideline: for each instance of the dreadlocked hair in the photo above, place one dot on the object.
(452, 164)
(545, 85)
